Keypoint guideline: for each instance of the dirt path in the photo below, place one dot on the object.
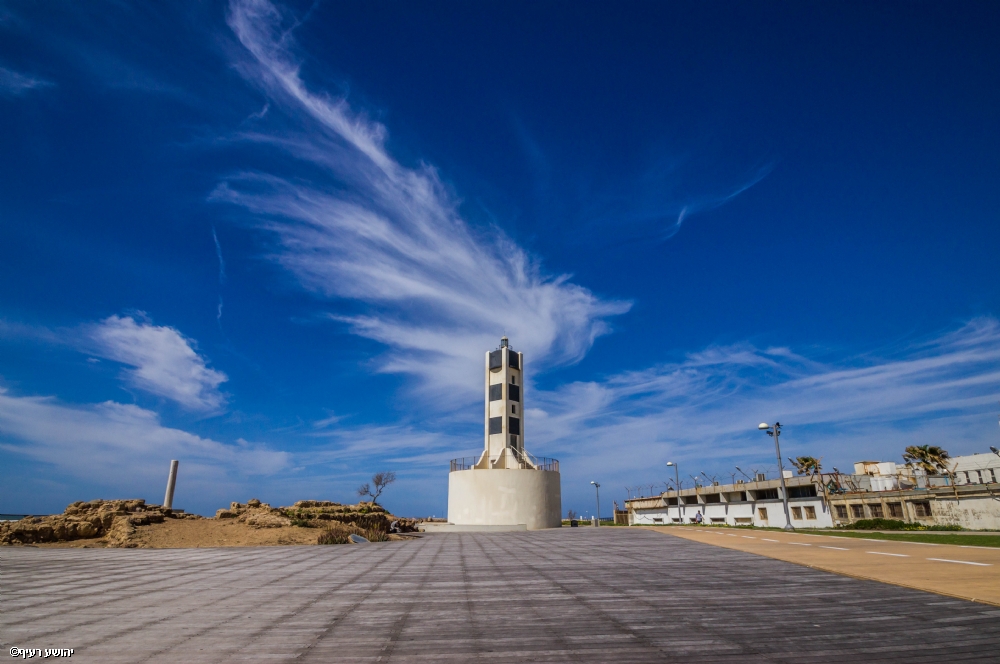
(968, 572)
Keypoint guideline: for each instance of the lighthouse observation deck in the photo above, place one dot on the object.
(521, 460)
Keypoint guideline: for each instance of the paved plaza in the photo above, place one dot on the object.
(568, 595)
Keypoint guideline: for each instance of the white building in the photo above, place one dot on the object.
(976, 468)
(876, 490)
(883, 475)
(505, 486)
(742, 504)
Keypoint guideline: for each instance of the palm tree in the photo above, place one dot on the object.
(807, 465)
(931, 458)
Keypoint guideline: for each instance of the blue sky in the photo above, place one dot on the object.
(274, 241)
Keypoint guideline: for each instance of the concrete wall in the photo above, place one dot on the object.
(505, 497)
(977, 513)
(976, 507)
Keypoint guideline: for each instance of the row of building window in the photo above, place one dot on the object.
(987, 476)
(741, 496)
(921, 508)
(809, 510)
(797, 513)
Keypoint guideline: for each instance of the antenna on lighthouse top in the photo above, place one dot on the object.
(503, 342)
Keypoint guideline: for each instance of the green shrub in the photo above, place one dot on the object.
(894, 524)
(338, 533)
(878, 524)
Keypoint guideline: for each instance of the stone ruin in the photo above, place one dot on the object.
(255, 514)
(115, 520)
(316, 514)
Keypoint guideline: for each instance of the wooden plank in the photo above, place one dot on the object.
(566, 595)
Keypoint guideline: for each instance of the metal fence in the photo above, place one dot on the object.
(463, 463)
(544, 463)
(524, 461)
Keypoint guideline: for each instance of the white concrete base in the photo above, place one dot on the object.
(507, 497)
(455, 528)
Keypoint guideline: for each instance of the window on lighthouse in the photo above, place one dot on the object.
(513, 409)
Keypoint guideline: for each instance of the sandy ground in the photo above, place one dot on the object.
(968, 572)
(211, 532)
(185, 534)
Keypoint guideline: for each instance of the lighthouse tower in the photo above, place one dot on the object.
(505, 486)
(504, 423)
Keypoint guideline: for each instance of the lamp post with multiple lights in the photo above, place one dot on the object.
(775, 432)
(677, 474)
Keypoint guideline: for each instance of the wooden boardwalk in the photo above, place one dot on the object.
(608, 595)
(963, 571)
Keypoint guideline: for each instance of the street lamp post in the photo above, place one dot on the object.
(677, 477)
(775, 432)
(597, 487)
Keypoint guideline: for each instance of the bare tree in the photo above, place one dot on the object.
(379, 481)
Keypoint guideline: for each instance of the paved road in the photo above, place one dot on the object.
(568, 595)
(965, 571)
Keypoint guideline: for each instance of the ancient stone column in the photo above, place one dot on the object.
(168, 500)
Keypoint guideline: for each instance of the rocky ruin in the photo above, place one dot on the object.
(116, 521)
(255, 514)
(316, 514)
(113, 519)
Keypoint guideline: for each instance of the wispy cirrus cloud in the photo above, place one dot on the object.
(705, 408)
(655, 205)
(126, 449)
(703, 411)
(162, 361)
(391, 238)
(14, 84)
(667, 229)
